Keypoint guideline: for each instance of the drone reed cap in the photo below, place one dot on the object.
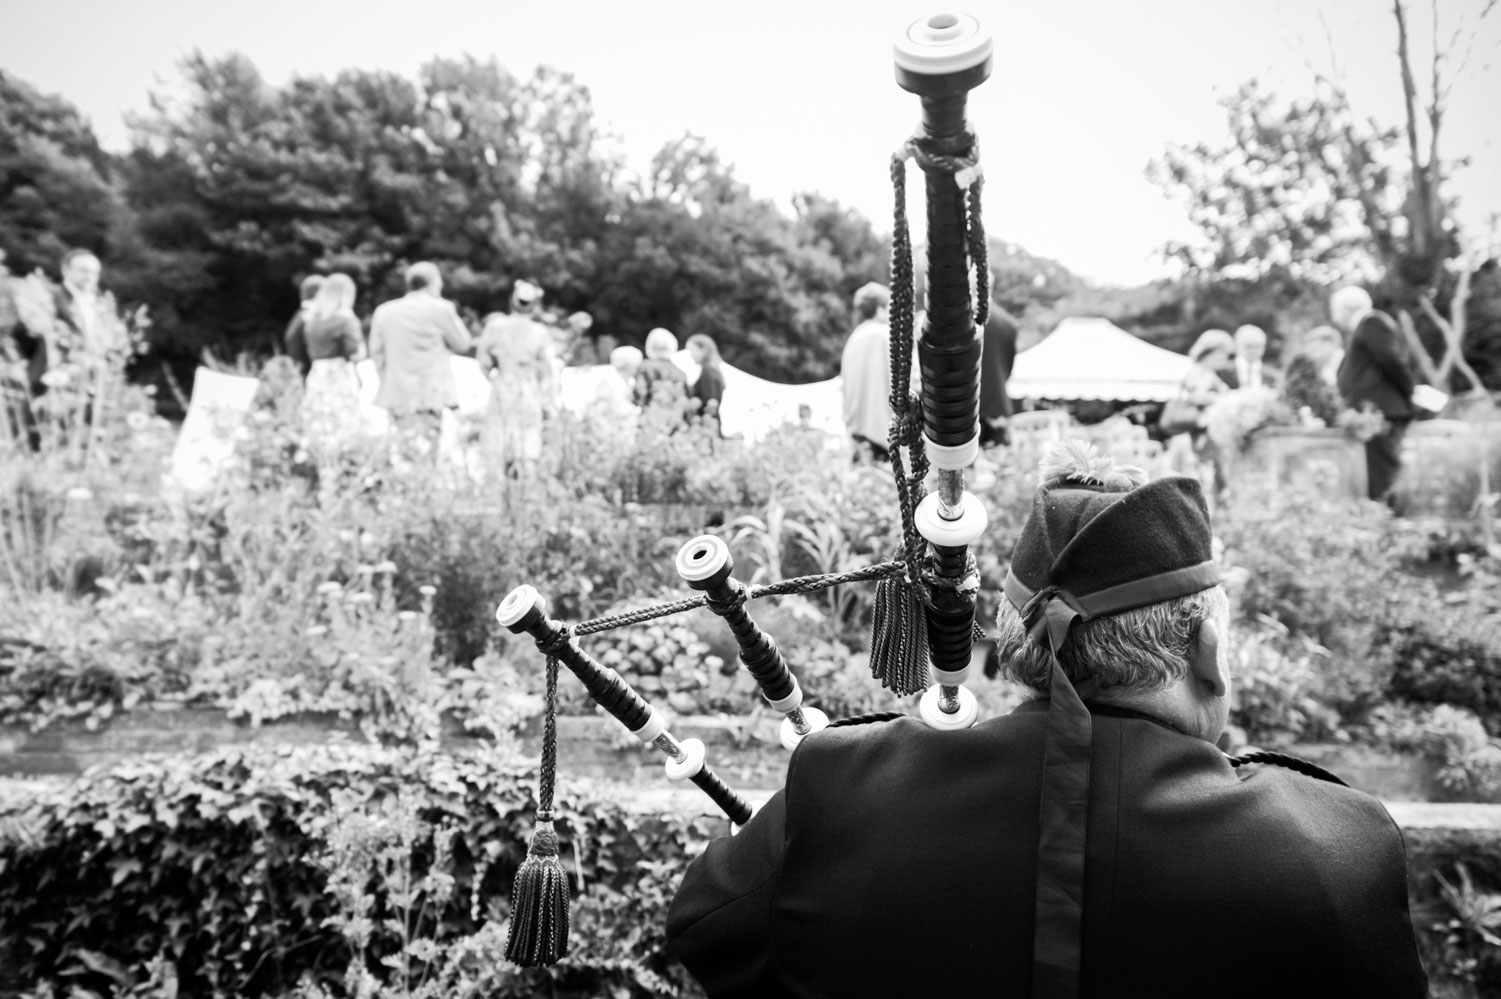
(522, 606)
(943, 45)
(704, 561)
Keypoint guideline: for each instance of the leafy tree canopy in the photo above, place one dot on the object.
(56, 186)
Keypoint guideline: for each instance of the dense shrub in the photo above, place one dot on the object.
(1447, 653)
(1323, 569)
(236, 870)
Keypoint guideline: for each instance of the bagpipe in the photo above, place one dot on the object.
(924, 616)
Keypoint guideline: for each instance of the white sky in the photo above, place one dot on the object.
(800, 95)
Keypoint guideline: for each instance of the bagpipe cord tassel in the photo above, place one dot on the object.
(899, 638)
(539, 897)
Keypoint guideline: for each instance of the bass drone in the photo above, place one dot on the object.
(925, 600)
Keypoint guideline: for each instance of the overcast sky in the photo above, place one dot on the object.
(800, 95)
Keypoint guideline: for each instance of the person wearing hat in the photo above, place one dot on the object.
(1094, 842)
(865, 370)
(1183, 417)
(516, 352)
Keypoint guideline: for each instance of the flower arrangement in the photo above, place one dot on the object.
(1361, 424)
(1234, 416)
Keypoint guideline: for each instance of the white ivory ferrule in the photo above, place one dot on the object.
(957, 532)
(691, 762)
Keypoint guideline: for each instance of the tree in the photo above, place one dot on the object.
(696, 252)
(491, 178)
(242, 188)
(1315, 193)
(56, 183)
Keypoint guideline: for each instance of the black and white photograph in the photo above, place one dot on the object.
(633, 501)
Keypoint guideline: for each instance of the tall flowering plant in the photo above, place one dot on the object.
(86, 361)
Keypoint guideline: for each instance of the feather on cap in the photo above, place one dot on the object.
(1079, 461)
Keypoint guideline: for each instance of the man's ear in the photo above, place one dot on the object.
(1205, 660)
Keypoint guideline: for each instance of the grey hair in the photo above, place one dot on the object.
(1347, 303)
(661, 343)
(1142, 649)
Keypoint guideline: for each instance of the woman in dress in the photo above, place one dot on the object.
(516, 353)
(1310, 382)
(334, 344)
(1213, 355)
(708, 392)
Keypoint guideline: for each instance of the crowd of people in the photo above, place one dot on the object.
(521, 352)
(1350, 373)
(1355, 365)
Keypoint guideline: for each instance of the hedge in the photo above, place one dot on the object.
(250, 871)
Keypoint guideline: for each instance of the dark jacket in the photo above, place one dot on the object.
(1374, 369)
(900, 861)
(996, 361)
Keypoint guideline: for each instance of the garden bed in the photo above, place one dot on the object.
(746, 751)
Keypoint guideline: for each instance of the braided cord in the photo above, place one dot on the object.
(797, 584)
(978, 252)
(549, 743)
(906, 407)
(1290, 762)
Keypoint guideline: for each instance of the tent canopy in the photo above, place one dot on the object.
(1095, 359)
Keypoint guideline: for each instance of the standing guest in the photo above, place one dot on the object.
(74, 338)
(333, 344)
(1327, 347)
(1213, 357)
(77, 335)
(1374, 373)
(78, 300)
(1251, 369)
(411, 339)
(865, 367)
(580, 349)
(707, 393)
(660, 384)
(516, 354)
(1311, 376)
(1095, 841)
(997, 358)
(295, 339)
(612, 414)
(1183, 418)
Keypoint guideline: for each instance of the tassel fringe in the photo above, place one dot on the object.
(539, 904)
(899, 637)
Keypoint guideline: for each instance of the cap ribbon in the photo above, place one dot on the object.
(1063, 808)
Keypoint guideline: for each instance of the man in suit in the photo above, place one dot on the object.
(1375, 373)
(1251, 368)
(1092, 843)
(997, 358)
(411, 339)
